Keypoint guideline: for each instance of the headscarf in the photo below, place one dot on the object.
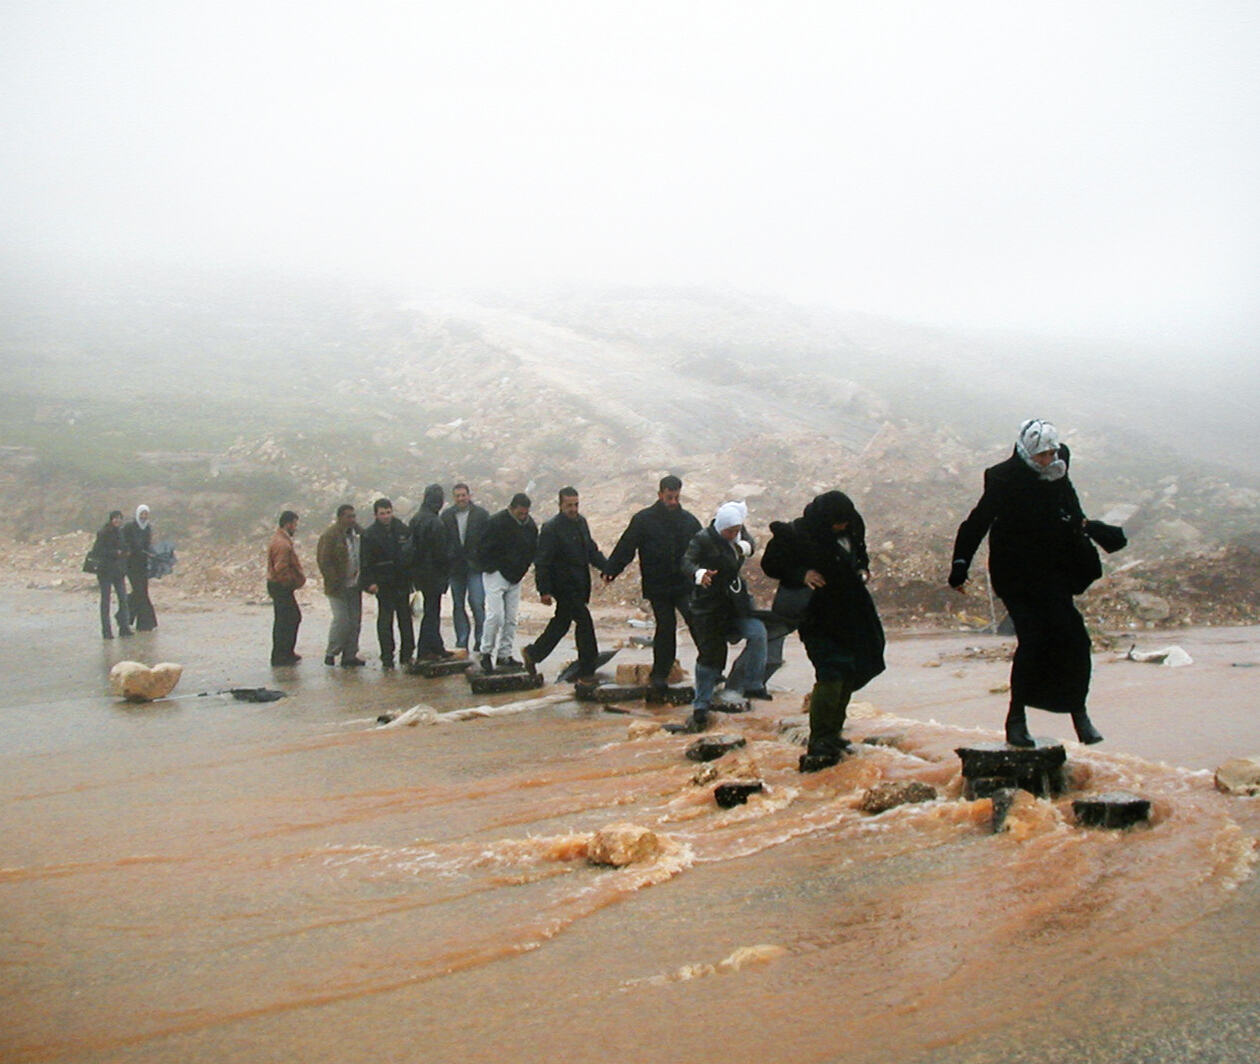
(142, 516)
(730, 514)
(829, 508)
(1037, 437)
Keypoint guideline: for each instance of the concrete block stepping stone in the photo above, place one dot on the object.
(609, 692)
(434, 669)
(571, 671)
(1119, 809)
(1037, 769)
(736, 792)
(711, 747)
(498, 682)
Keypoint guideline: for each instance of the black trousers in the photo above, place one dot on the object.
(665, 611)
(394, 604)
(430, 641)
(284, 626)
(569, 611)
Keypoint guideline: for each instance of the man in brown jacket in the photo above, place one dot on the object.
(284, 577)
(337, 555)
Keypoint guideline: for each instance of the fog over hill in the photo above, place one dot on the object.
(221, 402)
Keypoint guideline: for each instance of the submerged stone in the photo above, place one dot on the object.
(711, 747)
(1002, 798)
(1240, 775)
(1037, 769)
(1119, 809)
(621, 844)
(736, 792)
(891, 793)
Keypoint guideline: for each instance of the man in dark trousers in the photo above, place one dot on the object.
(387, 557)
(507, 552)
(430, 571)
(284, 577)
(465, 523)
(660, 534)
(562, 570)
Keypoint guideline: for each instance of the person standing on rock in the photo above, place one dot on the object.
(821, 556)
(562, 570)
(284, 577)
(111, 558)
(430, 572)
(339, 555)
(660, 534)
(721, 607)
(387, 559)
(137, 537)
(465, 523)
(507, 552)
(1039, 557)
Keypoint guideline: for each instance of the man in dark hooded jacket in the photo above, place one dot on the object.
(824, 551)
(387, 558)
(430, 572)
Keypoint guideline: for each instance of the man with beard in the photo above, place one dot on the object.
(507, 552)
(465, 523)
(284, 577)
(339, 555)
(387, 557)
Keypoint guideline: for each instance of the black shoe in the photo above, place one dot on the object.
(1085, 730)
(445, 655)
(280, 663)
(487, 665)
(387, 664)
(352, 663)
(760, 694)
(107, 635)
(329, 659)
(657, 694)
(509, 664)
(817, 762)
(1017, 733)
(528, 660)
(126, 633)
(697, 722)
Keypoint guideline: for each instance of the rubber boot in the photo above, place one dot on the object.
(1085, 730)
(1017, 733)
(828, 708)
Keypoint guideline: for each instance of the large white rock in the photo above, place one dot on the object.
(138, 683)
(1241, 775)
(623, 844)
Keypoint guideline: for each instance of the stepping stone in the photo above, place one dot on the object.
(609, 692)
(1119, 809)
(884, 740)
(1003, 799)
(711, 747)
(732, 705)
(891, 793)
(503, 681)
(1037, 769)
(736, 792)
(434, 669)
(675, 695)
(570, 672)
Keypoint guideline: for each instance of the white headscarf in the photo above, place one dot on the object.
(1037, 437)
(730, 514)
(142, 516)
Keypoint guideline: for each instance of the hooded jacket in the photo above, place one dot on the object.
(431, 567)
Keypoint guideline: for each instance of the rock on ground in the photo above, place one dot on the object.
(892, 793)
(1240, 775)
(137, 682)
(622, 844)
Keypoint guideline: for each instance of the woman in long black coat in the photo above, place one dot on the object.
(1038, 559)
(111, 558)
(825, 550)
(138, 539)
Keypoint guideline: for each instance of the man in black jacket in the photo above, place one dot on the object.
(660, 534)
(566, 552)
(387, 558)
(465, 523)
(430, 571)
(507, 552)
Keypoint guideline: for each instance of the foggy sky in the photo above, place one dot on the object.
(1077, 167)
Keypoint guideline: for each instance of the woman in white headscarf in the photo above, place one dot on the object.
(1039, 557)
(721, 608)
(138, 539)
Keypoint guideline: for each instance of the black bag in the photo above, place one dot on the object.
(1084, 566)
(791, 603)
(91, 564)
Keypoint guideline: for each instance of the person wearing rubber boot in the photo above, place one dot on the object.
(1040, 555)
(824, 550)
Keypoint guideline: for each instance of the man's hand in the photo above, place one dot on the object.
(545, 599)
(608, 578)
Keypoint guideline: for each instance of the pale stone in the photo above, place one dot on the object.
(641, 675)
(137, 682)
(641, 729)
(622, 844)
(1240, 775)
(892, 793)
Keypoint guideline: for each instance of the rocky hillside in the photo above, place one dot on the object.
(221, 405)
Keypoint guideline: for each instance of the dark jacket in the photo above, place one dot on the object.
(138, 542)
(508, 546)
(387, 556)
(727, 596)
(566, 553)
(465, 554)
(431, 565)
(842, 611)
(110, 552)
(660, 535)
(1034, 528)
(332, 556)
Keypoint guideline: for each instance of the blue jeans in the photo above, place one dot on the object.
(753, 632)
(467, 583)
(113, 584)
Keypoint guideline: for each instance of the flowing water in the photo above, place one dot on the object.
(203, 879)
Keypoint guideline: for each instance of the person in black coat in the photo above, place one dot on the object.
(824, 551)
(562, 570)
(111, 558)
(507, 552)
(387, 549)
(430, 571)
(721, 607)
(465, 524)
(1039, 558)
(660, 534)
(138, 541)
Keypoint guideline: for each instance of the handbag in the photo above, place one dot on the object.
(91, 564)
(791, 603)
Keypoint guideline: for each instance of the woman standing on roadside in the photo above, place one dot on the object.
(111, 556)
(138, 540)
